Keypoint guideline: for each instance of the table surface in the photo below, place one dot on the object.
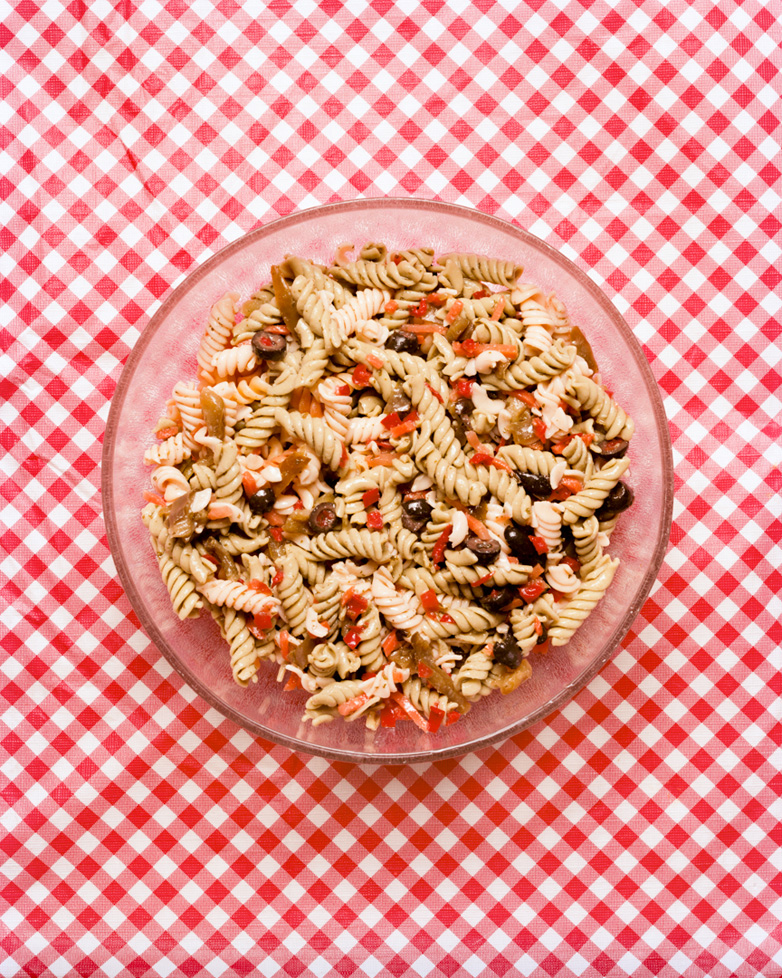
(635, 832)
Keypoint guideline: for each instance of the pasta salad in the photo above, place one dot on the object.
(393, 478)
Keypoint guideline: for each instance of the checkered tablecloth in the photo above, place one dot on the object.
(636, 832)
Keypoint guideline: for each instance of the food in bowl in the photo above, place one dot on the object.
(393, 478)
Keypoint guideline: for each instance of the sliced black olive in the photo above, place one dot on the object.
(415, 526)
(498, 598)
(417, 509)
(487, 551)
(615, 448)
(507, 652)
(519, 539)
(401, 342)
(619, 499)
(537, 486)
(464, 406)
(269, 346)
(262, 501)
(322, 518)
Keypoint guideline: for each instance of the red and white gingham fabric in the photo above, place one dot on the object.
(637, 832)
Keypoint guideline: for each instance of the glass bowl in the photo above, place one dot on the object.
(166, 352)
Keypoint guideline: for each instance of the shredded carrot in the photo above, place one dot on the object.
(384, 458)
(375, 361)
(424, 328)
(352, 705)
(154, 497)
(474, 440)
(478, 528)
(454, 311)
(498, 307)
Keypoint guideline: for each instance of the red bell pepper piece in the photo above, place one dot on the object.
(354, 604)
(434, 393)
(436, 717)
(370, 497)
(539, 544)
(262, 621)
(391, 420)
(375, 361)
(452, 717)
(532, 591)
(375, 520)
(259, 586)
(572, 563)
(294, 682)
(539, 427)
(154, 497)
(424, 671)
(430, 601)
(453, 312)
(352, 705)
(390, 643)
(464, 387)
(343, 390)
(278, 579)
(361, 377)
(438, 551)
(353, 637)
(526, 397)
(276, 533)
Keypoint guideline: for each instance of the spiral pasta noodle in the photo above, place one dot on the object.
(393, 478)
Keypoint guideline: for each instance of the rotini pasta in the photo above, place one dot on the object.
(394, 517)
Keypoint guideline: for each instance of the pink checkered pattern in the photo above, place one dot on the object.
(637, 832)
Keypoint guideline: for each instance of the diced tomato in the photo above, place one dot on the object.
(273, 518)
(375, 361)
(430, 601)
(298, 505)
(539, 427)
(464, 387)
(447, 620)
(259, 586)
(278, 578)
(262, 620)
(249, 484)
(391, 420)
(420, 309)
(410, 710)
(452, 717)
(370, 497)
(434, 392)
(154, 497)
(294, 682)
(353, 637)
(436, 717)
(384, 458)
(568, 486)
(167, 433)
(375, 520)
(352, 705)
(276, 533)
(343, 390)
(361, 377)
(391, 307)
(480, 294)
(390, 643)
(539, 544)
(424, 671)
(277, 328)
(572, 563)
(354, 604)
(527, 397)
(438, 551)
(453, 312)
(532, 591)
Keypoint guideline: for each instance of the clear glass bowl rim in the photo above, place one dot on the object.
(135, 597)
